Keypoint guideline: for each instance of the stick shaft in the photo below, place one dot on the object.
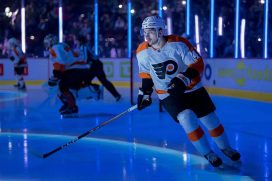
(88, 132)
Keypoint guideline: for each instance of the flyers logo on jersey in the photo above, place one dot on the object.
(168, 67)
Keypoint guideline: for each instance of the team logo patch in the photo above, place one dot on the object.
(168, 67)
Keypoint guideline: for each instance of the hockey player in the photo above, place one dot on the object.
(18, 58)
(96, 67)
(174, 67)
(68, 73)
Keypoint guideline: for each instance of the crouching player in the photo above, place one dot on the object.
(69, 73)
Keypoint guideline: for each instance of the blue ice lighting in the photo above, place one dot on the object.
(160, 7)
(96, 28)
(266, 9)
(211, 28)
(129, 29)
(60, 22)
(23, 26)
(237, 20)
(188, 17)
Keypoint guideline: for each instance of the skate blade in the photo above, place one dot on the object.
(73, 115)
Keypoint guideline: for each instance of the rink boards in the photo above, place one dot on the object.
(250, 79)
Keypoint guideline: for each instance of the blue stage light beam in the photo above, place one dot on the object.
(237, 20)
(188, 17)
(23, 26)
(96, 28)
(160, 4)
(266, 17)
(60, 22)
(212, 29)
(129, 29)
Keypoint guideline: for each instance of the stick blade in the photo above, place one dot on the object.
(35, 153)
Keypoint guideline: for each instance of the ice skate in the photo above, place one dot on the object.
(69, 112)
(21, 87)
(214, 160)
(100, 92)
(232, 154)
(63, 108)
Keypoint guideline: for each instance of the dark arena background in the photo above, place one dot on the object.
(109, 139)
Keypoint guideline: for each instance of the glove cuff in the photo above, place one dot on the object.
(184, 79)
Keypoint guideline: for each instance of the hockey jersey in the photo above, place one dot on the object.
(164, 64)
(63, 58)
(17, 56)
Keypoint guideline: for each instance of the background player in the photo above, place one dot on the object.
(17, 56)
(96, 68)
(69, 71)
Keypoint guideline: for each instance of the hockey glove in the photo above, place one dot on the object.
(144, 99)
(53, 81)
(178, 85)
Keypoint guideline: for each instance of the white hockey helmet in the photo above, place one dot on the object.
(50, 40)
(12, 42)
(154, 22)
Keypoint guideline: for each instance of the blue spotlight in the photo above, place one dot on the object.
(211, 29)
(129, 29)
(23, 26)
(266, 9)
(96, 28)
(188, 17)
(237, 20)
(160, 7)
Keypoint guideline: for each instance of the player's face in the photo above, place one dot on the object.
(150, 35)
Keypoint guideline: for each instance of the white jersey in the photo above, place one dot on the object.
(164, 64)
(63, 58)
(19, 56)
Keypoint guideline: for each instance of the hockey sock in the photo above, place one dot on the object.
(216, 130)
(196, 135)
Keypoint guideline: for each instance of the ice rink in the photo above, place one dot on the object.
(139, 146)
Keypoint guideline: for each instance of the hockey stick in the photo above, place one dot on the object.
(88, 132)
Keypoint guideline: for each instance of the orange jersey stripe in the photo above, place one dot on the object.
(58, 67)
(79, 63)
(52, 53)
(196, 134)
(22, 59)
(161, 91)
(142, 47)
(76, 54)
(16, 52)
(145, 76)
(217, 131)
(198, 65)
(173, 38)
